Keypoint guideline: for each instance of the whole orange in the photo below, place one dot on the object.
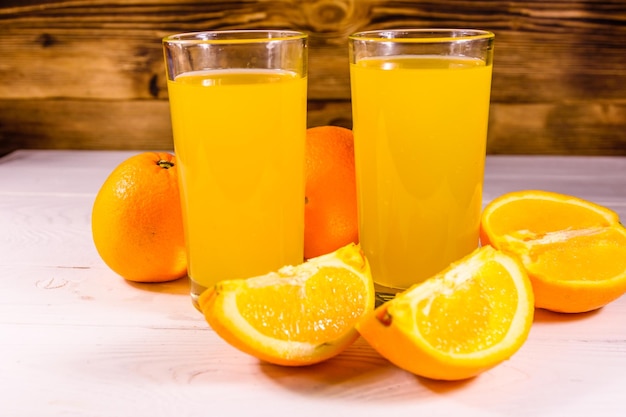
(136, 220)
(330, 211)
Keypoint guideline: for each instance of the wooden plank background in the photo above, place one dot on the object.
(89, 74)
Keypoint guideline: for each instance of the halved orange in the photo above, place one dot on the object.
(298, 315)
(459, 323)
(573, 250)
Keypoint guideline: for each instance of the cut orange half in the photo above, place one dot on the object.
(459, 323)
(573, 250)
(298, 315)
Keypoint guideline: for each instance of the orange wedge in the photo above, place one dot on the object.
(298, 315)
(573, 250)
(459, 323)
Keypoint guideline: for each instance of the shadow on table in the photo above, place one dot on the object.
(359, 373)
(179, 286)
(547, 316)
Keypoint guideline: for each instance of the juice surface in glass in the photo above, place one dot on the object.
(420, 126)
(239, 142)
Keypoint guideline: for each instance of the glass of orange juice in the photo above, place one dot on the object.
(420, 106)
(238, 102)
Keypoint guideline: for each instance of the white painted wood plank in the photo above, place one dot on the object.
(598, 179)
(60, 172)
(89, 370)
(75, 339)
(40, 229)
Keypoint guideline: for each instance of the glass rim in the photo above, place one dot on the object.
(235, 36)
(422, 35)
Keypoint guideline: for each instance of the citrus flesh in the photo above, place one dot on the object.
(459, 323)
(298, 315)
(573, 250)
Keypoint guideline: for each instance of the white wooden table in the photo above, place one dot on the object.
(77, 340)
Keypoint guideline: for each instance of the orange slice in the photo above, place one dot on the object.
(573, 250)
(299, 315)
(459, 323)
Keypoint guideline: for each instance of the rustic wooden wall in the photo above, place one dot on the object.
(89, 74)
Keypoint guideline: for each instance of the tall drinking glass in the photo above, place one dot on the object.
(238, 109)
(420, 104)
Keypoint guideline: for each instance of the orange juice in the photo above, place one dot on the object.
(239, 141)
(420, 126)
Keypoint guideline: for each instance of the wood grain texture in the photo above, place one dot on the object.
(89, 74)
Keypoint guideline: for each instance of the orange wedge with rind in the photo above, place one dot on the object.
(459, 323)
(299, 315)
(573, 250)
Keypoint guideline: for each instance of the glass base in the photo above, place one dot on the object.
(384, 294)
(196, 290)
